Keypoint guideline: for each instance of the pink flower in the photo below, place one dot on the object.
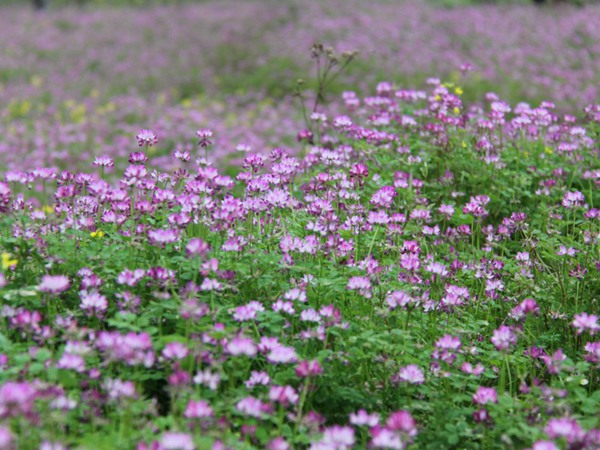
(118, 389)
(360, 284)
(6, 438)
(565, 428)
(362, 418)
(94, 303)
(241, 346)
(286, 395)
(71, 362)
(16, 399)
(209, 379)
(257, 378)
(198, 410)
(54, 284)
(147, 138)
(282, 355)
(584, 322)
(338, 437)
(161, 237)
(503, 338)
(573, 199)
(175, 350)
(411, 374)
(309, 369)
(177, 441)
(485, 395)
(545, 445)
(204, 136)
(103, 161)
(403, 422)
(252, 407)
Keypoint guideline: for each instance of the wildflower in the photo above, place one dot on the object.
(503, 338)
(485, 395)
(241, 346)
(118, 389)
(6, 438)
(360, 284)
(584, 321)
(336, 437)
(467, 367)
(175, 350)
(196, 247)
(308, 369)
(285, 395)
(97, 234)
(7, 261)
(362, 418)
(17, 399)
(411, 374)
(402, 421)
(103, 161)
(208, 379)
(147, 138)
(198, 410)
(252, 407)
(204, 136)
(593, 352)
(545, 445)
(554, 362)
(278, 443)
(94, 303)
(161, 237)
(257, 378)
(54, 284)
(282, 355)
(177, 441)
(565, 428)
(573, 199)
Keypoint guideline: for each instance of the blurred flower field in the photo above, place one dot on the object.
(400, 250)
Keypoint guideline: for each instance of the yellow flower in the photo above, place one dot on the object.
(97, 234)
(48, 209)
(458, 91)
(437, 98)
(456, 110)
(548, 150)
(7, 262)
(464, 144)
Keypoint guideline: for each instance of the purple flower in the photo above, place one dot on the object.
(360, 284)
(177, 441)
(252, 407)
(565, 428)
(485, 395)
(362, 418)
(198, 410)
(573, 199)
(204, 136)
(285, 395)
(175, 350)
(54, 284)
(241, 346)
(411, 374)
(147, 138)
(583, 322)
(282, 355)
(162, 237)
(503, 338)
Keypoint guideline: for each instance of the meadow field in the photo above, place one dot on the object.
(302, 224)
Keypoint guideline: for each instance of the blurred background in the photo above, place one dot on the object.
(80, 77)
